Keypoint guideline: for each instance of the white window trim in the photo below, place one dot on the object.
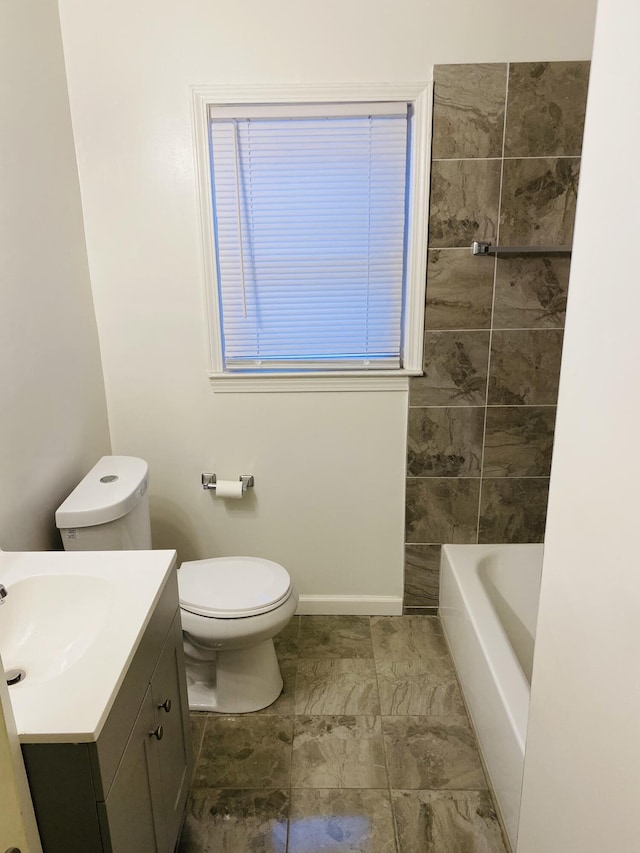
(416, 94)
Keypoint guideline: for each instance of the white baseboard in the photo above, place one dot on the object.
(350, 605)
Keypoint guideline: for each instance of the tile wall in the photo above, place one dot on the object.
(506, 160)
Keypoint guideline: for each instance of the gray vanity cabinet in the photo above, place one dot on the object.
(126, 792)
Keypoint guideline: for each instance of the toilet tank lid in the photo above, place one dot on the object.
(110, 490)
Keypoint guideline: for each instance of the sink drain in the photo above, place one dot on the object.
(15, 676)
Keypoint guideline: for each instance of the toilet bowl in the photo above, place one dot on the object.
(231, 607)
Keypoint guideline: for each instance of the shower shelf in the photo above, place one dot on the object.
(488, 249)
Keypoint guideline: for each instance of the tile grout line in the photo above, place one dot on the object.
(293, 732)
(493, 302)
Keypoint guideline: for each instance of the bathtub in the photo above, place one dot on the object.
(489, 606)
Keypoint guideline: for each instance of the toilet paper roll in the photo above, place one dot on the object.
(229, 489)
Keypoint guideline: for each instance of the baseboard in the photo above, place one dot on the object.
(350, 605)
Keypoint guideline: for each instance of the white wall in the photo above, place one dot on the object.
(54, 422)
(582, 766)
(329, 467)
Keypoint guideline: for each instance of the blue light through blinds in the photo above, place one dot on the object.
(309, 218)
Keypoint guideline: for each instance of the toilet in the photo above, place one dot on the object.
(231, 607)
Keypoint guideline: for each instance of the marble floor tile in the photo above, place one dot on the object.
(419, 687)
(468, 110)
(531, 292)
(285, 703)
(525, 367)
(421, 575)
(236, 821)
(344, 686)
(338, 752)
(519, 441)
(513, 509)
(341, 821)
(407, 637)
(286, 642)
(446, 822)
(464, 202)
(245, 751)
(198, 723)
(334, 637)
(432, 753)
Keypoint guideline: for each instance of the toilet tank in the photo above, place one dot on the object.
(109, 509)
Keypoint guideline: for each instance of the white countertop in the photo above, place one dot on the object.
(69, 698)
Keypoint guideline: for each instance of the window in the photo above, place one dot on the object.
(313, 239)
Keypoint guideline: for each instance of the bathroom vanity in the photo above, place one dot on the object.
(117, 779)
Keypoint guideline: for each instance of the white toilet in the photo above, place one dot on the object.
(231, 607)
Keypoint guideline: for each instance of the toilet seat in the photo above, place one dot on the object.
(232, 587)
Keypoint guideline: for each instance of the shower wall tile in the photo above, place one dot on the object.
(481, 423)
(545, 113)
(468, 110)
(445, 442)
(531, 292)
(464, 202)
(525, 367)
(442, 510)
(513, 510)
(538, 201)
(455, 370)
(459, 290)
(422, 575)
(518, 441)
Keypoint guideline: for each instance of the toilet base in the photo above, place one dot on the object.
(238, 681)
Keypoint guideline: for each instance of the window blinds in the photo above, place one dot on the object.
(309, 218)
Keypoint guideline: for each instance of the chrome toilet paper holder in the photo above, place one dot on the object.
(209, 481)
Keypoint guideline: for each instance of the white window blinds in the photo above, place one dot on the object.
(309, 216)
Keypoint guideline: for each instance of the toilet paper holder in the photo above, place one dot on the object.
(209, 481)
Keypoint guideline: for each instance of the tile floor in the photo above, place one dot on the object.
(368, 750)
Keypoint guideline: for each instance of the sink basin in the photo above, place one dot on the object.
(72, 621)
(47, 623)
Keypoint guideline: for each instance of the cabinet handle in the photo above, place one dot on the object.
(157, 733)
(166, 705)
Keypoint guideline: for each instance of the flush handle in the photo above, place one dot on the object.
(166, 705)
(157, 733)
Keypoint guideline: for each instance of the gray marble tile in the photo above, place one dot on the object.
(519, 441)
(513, 510)
(341, 821)
(245, 751)
(546, 107)
(525, 367)
(459, 290)
(432, 753)
(198, 723)
(334, 637)
(419, 611)
(538, 202)
(285, 703)
(531, 292)
(468, 110)
(445, 441)
(464, 202)
(286, 642)
(446, 822)
(455, 370)
(346, 686)
(421, 575)
(408, 637)
(231, 821)
(338, 752)
(422, 687)
(442, 510)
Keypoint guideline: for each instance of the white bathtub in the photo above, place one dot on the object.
(489, 606)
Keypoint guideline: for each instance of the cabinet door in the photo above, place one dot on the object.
(129, 819)
(169, 692)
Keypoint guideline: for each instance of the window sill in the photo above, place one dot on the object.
(392, 380)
